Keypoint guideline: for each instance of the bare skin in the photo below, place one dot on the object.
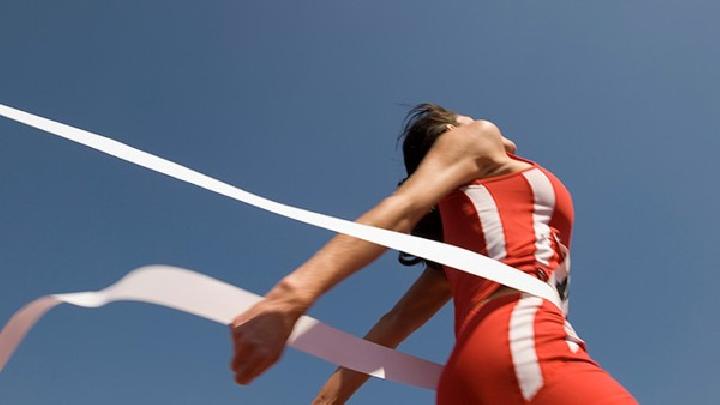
(470, 150)
(424, 298)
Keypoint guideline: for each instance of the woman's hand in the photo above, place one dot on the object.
(259, 336)
(341, 385)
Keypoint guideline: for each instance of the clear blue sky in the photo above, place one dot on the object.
(302, 102)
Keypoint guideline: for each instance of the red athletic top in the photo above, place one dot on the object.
(519, 219)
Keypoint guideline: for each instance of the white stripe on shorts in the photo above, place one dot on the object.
(521, 336)
(572, 339)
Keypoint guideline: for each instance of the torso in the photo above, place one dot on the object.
(521, 216)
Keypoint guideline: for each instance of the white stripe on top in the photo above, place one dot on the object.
(521, 335)
(544, 197)
(489, 219)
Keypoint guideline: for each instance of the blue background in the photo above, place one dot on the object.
(302, 102)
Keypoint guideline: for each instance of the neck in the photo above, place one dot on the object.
(503, 164)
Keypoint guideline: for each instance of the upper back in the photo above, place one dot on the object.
(523, 219)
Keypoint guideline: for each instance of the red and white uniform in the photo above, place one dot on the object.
(517, 349)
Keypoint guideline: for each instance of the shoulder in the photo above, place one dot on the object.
(457, 157)
(475, 149)
(479, 139)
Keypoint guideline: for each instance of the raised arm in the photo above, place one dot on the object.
(457, 157)
(424, 298)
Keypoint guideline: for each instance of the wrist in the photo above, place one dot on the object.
(290, 296)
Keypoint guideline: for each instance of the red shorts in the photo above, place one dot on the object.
(519, 349)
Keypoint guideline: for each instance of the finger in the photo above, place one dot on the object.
(241, 354)
(243, 345)
(238, 321)
(250, 369)
(242, 350)
(326, 400)
(257, 366)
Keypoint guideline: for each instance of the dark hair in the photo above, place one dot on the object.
(424, 123)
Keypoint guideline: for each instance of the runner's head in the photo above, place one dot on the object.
(423, 125)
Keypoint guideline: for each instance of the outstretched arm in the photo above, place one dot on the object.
(457, 157)
(424, 298)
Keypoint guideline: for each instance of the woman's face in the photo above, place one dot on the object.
(509, 145)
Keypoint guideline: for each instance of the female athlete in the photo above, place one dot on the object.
(465, 187)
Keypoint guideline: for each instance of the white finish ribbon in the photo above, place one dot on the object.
(198, 294)
(449, 255)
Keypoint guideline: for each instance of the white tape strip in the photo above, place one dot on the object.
(448, 255)
(195, 293)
